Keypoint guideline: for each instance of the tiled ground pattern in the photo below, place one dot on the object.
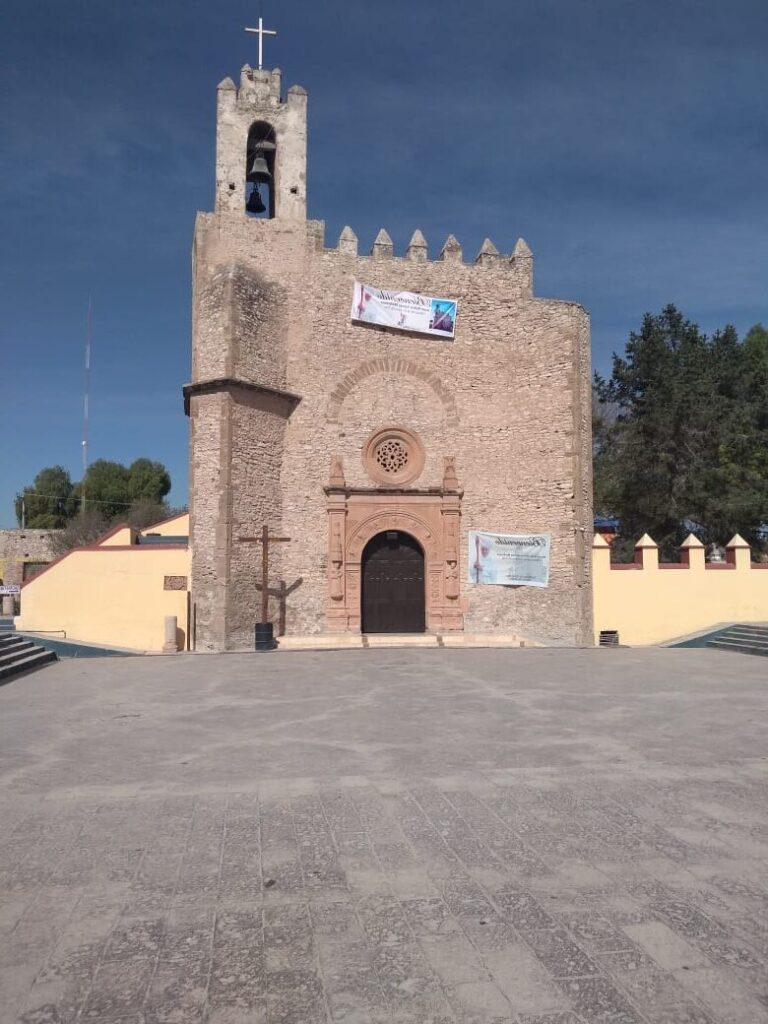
(604, 890)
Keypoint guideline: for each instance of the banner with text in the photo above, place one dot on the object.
(405, 310)
(509, 559)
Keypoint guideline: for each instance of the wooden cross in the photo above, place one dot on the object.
(265, 540)
(261, 32)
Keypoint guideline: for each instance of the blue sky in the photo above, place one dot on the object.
(626, 141)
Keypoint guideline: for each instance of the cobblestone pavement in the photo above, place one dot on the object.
(386, 837)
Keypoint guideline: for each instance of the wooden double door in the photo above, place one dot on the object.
(393, 591)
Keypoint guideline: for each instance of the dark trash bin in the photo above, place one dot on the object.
(264, 635)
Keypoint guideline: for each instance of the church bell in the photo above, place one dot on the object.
(259, 171)
(255, 204)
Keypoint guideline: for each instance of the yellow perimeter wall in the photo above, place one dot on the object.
(649, 604)
(112, 593)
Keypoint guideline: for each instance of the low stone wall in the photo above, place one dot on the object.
(650, 602)
(20, 547)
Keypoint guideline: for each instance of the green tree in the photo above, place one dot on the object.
(689, 442)
(148, 481)
(604, 419)
(112, 492)
(107, 486)
(115, 489)
(44, 505)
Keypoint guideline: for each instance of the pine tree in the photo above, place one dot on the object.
(688, 445)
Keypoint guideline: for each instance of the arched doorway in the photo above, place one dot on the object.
(393, 593)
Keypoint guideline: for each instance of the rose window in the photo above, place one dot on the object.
(392, 455)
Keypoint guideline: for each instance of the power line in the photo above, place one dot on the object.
(92, 501)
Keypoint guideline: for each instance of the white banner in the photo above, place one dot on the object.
(509, 559)
(405, 310)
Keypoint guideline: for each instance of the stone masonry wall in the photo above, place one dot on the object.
(209, 516)
(509, 397)
(258, 427)
(20, 546)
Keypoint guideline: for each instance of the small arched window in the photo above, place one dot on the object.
(260, 170)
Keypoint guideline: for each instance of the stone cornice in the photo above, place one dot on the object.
(217, 384)
(400, 492)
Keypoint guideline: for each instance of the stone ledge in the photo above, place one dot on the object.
(487, 640)
(320, 642)
(211, 387)
(358, 641)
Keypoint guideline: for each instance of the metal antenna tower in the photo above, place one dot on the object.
(86, 400)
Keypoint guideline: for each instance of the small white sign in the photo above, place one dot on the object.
(5, 591)
(406, 311)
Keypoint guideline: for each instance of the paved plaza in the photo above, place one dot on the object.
(386, 837)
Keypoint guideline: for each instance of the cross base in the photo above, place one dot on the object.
(264, 636)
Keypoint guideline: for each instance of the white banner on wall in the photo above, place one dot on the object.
(405, 310)
(509, 559)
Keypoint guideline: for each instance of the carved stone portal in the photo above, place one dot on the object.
(430, 516)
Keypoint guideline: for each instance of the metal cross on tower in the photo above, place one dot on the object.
(261, 32)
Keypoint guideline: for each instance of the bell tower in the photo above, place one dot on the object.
(261, 147)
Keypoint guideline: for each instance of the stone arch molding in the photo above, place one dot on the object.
(383, 521)
(431, 517)
(390, 365)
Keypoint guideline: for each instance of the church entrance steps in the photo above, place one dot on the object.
(341, 641)
(487, 640)
(320, 642)
(400, 640)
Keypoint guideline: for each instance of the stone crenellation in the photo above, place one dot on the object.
(417, 250)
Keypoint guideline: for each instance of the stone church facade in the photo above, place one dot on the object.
(353, 439)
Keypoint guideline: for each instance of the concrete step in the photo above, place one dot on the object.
(743, 638)
(740, 641)
(319, 642)
(344, 641)
(399, 640)
(9, 638)
(746, 632)
(12, 652)
(487, 640)
(34, 659)
(741, 646)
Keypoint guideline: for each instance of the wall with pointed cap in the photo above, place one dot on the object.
(652, 602)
